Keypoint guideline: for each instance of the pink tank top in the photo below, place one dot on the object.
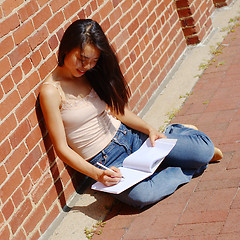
(88, 126)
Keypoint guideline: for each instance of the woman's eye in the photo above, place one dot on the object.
(82, 60)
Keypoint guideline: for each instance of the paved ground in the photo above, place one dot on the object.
(209, 206)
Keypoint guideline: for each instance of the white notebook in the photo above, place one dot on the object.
(139, 165)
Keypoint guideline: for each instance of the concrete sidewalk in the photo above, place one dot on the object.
(207, 207)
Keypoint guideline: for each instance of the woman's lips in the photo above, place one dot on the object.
(82, 72)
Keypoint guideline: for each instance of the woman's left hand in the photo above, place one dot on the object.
(154, 135)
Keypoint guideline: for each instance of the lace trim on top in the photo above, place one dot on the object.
(72, 101)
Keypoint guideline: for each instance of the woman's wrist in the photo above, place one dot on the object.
(98, 174)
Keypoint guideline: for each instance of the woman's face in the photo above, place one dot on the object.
(79, 61)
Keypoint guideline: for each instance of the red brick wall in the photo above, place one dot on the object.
(195, 17)
(148, 38)
(221, 3)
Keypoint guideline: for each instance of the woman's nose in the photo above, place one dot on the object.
(87, 66)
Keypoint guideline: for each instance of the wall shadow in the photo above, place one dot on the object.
(76, 177)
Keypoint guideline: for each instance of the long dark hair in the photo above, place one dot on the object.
(106, 77)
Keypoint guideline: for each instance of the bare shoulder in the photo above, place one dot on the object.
(49, 96)
(49, 88)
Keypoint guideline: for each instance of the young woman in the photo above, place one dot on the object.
(84, 103)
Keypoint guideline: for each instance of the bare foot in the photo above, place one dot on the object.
(218, 155)
(190, 126)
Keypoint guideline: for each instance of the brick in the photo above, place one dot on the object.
(25, 87)
(19, 53)
(113, 31)
(17, 75)
(1, 92)
(7, 84)
(41, 17)
(232, 223)
(120, 39)
(28, 10)
(197, 229)
(69, 190)
(87, 11)
(10, 185)
(5, 233)
(47, 67)
(132, 42)
(35, 117)
(115, 3)
(44, 163)
(104, 11)
(183, 13)
(190, 217)
(20, 235)
(38, 37)
(8, 6)
(5, 66)
(124, 20)
(21, 215)
(49, 219)
(71, 9)
(151, 19)
(19, 134)
(9, 104)
(126, 5)
(23, 32)
(36, 58)
(45, 50)
(133, 27)
(94, 6)
(26, 66)
(6, 45)
(15, 159)
(53, 42)
(138, 65)
(5, 149)
(36, 235)
(35, 174)
(106, 25)
(3, 174)
(182, 3)
(81, 15)
(34, 218)
(100, 2)
(115, 16)
(187, 22)
(9, 24)
(42, 188)
(30, 161)
(33, 138)
(18, 197)
(26, 186)
(55, 5)
(134, 99)
(2, 222)
(60, 33)
(55, 22)
(42, 2)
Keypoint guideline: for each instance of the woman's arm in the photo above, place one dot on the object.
(50, 101)
(133, 121)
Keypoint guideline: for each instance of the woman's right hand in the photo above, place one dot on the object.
(110, 178)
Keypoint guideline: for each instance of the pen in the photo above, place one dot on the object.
(106, 168)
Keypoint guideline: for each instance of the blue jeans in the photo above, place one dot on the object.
(190, 156)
